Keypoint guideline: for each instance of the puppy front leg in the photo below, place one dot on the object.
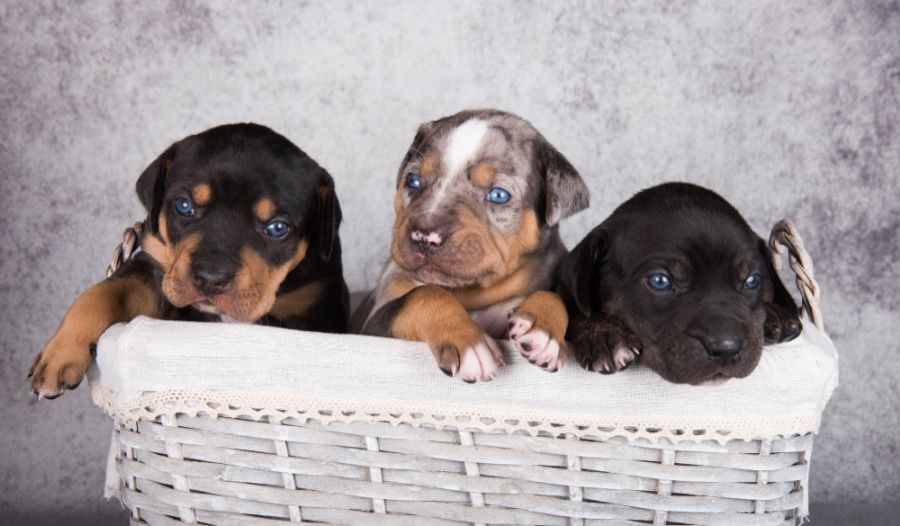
(64, 360)
(433, 315)
(604, 344)
(537, 329)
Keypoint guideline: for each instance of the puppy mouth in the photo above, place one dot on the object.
(432, 273)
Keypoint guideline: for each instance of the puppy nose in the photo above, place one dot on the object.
(432, 239)
(212, 281)
(427, 233)
(723, 348)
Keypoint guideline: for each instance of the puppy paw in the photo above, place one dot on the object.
(472, 359)
(781, 325)
(606, 348)
(60, 366)
(534, 343)
(537, 328)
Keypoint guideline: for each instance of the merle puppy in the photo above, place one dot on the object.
(676, 276)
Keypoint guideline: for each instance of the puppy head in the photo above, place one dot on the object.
(476, 194)
(231, 212)
(680, 267)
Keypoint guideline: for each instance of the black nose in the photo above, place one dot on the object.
(212, 281)
(723, 348)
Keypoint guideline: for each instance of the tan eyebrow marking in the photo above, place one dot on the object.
(429, 163)
(264, 209)
(483, 174)
(201, 194)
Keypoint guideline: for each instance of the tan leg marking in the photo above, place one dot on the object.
(537, 329)
(433, 315)
(64, 360)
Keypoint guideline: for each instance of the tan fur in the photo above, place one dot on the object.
(548, 311)
(428, 166)
(201, 194)
(297, 302)
(477, 297)
(483, 174)
(264, 209)
(256, 284)
(433, 315)
(67, 356)
(177, 282)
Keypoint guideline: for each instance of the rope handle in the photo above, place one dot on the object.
(131, 242)
(785, 236)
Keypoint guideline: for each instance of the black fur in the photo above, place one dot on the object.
(244, 163)
(708, 325)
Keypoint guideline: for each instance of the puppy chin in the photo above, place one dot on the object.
(687, 364)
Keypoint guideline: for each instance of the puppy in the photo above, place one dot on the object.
(241, 226)
(479, 198)
(676, 276)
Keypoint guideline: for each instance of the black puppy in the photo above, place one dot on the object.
(241, 226)
(677, 276)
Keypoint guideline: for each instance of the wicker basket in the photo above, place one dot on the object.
(342, 450)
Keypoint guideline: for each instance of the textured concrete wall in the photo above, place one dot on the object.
(786, 108)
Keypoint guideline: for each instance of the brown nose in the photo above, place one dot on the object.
(426, 236)
(212, 281)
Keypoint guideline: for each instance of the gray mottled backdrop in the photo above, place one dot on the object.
(789, 109)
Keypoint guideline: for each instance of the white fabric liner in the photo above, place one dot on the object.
(148, 368)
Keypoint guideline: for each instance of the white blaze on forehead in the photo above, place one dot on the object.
(463, 144)
(461, 148)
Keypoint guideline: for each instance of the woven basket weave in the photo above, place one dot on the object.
(236, 462)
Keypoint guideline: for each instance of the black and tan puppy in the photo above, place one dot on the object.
(479, 196)
(676, 276)
(241, 226)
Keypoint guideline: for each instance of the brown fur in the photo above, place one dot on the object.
(264, 209)
(201, 194)
(483, 174)
(431, 314)
(548, 311)
(297, 302)
(65, 359)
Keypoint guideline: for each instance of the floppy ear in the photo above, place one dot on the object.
(329, 215)
(578, 271)
(780, 295)
(150, 187)
(415, 148)
(566, 192)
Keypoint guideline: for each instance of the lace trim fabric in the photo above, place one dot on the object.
(481, 418)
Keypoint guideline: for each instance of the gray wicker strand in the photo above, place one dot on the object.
(258, 471)
(785, 236)
(131, 240)
(281, 449)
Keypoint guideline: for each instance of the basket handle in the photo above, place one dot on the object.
(785, 236)
(131, 242)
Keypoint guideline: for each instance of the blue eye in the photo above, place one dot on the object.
(184, 206)
(752, 281)
(277, 229)
(413, 181)
(498, 195)
(659, 281)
